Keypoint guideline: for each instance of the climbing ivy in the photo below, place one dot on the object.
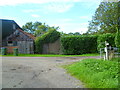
(49, 37)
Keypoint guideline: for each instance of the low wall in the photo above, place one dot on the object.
(10, 48)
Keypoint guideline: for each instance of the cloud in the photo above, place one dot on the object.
(77, 29)
(66, 20)
(58, 7)
(54, 7)
(17, 2)
(71, 27)
(81, 30)
(84, 17)
(35, 15)
(31, 10)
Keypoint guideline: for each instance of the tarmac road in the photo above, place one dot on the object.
(38, 72)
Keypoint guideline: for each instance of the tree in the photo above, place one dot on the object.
(70, 33)
(43, 29)
(31, 27)
(28, 27)
(37, 28)
(36, 24)
(77, 33)
(105, 19)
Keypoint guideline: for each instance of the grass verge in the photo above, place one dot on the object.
(96, 73)
(50, 55)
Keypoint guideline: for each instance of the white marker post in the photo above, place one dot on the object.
(106, 51)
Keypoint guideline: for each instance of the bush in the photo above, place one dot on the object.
(75, 45)
(105, 37)
(49, 37)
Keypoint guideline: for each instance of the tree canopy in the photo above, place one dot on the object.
(37, 28)
(105, 19)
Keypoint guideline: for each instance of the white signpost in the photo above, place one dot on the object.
(106, 51)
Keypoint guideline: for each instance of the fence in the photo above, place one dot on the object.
(112, 52)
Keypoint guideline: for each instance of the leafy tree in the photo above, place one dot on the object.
(36, 24)
(31, 27)
(77, 33)
(41, 29)
(37, 28)
(63, 34)
(105, 19)
(28, 27)
(70, 33)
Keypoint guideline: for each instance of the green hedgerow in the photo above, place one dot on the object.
(75, 45)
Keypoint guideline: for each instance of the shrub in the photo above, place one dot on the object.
(105, 37)
(72, 45)
(49, 37)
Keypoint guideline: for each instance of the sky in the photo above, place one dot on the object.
(69, 15)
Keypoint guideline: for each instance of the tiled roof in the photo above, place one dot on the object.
(28, 34)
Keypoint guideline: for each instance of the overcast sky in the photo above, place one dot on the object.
(69, 15)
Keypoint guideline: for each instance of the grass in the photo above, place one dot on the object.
(96, 73)
(50, 55)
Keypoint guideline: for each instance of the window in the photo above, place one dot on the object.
(10, 43)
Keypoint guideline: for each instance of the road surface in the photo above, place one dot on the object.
(38, 72)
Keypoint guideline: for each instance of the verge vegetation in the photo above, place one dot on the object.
(96, 73)
(50, 55)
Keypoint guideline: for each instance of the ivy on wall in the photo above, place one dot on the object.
(49, 37)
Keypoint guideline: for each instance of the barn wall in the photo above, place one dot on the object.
(52, 48)
(25, 43)
(26, 47)
(45, 49)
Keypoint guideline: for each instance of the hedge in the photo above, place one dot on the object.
(75, 45)
(117, 39)
(105, 37)
(49, 37)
